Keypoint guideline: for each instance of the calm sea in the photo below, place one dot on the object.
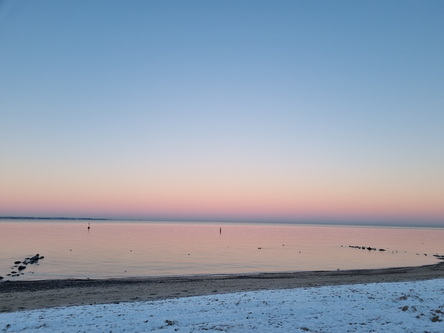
(112, 249)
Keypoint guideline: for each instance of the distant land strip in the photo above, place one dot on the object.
(51, 218)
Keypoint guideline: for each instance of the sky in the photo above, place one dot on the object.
(280, 111)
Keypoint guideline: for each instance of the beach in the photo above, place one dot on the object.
(408, 299)
(28, 295)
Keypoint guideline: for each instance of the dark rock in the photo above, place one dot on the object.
(435, 319)
(1, 277)
(33, 259)
(17, 262)
(21, 268)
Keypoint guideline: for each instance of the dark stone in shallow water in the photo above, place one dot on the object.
(33, 260)
(1, 277)
(20, 266)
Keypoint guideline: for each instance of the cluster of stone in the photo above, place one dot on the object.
(20, 266)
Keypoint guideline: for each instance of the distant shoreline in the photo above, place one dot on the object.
(233, 221)
(28, 295)
(52, 218)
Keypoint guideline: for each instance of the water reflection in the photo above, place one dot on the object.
(102, 249)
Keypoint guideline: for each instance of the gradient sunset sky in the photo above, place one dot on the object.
(299, 111)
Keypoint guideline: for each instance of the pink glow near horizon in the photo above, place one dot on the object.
(245, 203)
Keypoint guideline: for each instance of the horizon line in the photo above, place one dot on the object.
(212, 220)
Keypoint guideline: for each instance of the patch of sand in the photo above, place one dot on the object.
(27, 295)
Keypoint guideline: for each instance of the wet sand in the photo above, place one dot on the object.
(27, 295)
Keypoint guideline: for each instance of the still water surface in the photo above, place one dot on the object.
(136, 249)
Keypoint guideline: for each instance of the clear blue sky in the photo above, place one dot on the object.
(275, 110)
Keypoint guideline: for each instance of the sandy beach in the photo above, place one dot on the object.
(28, 295)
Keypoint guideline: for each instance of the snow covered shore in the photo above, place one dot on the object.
(378, 307)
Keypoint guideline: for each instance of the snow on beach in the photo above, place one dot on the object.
(379, 307)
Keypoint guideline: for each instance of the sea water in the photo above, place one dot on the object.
(117, 249)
